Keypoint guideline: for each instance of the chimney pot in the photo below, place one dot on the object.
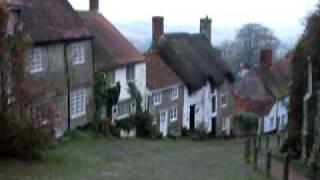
(205, 27)
(266, 57)
(94, 5)
(157, 29)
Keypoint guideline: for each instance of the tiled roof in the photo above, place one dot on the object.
(52, 20)
(159, 75)
(111, 48)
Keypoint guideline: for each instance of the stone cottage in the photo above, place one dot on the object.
(264, 90)
(115, 54)
(207, 99)
(61, 54)
(166, 98)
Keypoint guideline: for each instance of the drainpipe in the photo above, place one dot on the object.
(68, 86)
(306, 98)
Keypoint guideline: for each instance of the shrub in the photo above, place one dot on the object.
(201, 131)
(247, 121)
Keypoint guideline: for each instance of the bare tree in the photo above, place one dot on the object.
(250, 39)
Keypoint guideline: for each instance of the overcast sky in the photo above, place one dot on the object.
(285, 17)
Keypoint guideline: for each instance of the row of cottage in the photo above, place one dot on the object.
(180, 77)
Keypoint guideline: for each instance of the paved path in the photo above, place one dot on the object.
(277, 169)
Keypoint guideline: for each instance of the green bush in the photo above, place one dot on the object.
(201, 131)
(247, 121)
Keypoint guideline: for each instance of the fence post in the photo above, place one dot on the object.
(286, 167)
(268, 164)
(313, 168)
(267, 142)
(255, 157)
(246, 151)
(259, 142)
(254, 142)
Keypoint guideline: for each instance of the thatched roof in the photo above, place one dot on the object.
(111, 48)
(192, 57)
(52, 20)
(159, 75)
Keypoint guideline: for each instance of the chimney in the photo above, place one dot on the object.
(94, 5)
(266, 57)
(157, 29)
(15, 8)
(205, 27)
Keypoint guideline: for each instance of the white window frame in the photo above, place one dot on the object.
(174, 93)
(223, 96)
(124, 104)
(157, 98)
(113, 81)
(78, 53)
(36, 61)
(130, 79)
(173, 114)
(78, 101)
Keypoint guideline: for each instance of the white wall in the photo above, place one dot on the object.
(140, 81)
(202, 101)
(279, 110)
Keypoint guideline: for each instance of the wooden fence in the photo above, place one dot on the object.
(260, 147)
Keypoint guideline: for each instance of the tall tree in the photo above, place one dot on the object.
(250, 39)
(23, 121)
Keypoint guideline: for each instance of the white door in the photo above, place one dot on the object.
(164, 122)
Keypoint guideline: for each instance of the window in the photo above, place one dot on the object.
(78, 103)
(124, 108)
(173, 114)
(271, 122)
(78, 53)
(214, 109)
(113, 77)
(283, 119)
(174, 93)
(157, 98)
(223, 100)
(130, 73)
(35, 63)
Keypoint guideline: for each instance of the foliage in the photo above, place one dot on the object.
(247, 121)
(307, 48)
(105, 97)
(202, 131)
(140, 120)
(26, 120)
(135, 94)
(174, 129)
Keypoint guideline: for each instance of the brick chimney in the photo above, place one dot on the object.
(266, 57)
(157, 29)
(94, 5)
(15, 7)
(205, 27)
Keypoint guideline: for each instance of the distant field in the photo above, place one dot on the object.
(87, 157)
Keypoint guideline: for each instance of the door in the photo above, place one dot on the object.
(164, 122)
(213, 127)
(192, 115)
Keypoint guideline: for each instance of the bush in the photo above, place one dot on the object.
(201, 131)
(247, 121)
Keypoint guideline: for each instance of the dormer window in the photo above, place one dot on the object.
(78, 53)
(35, 63)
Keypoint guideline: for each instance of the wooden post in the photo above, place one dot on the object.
(259, 142)
(267, 142)
(254, 142)
(246, 151)
(268, 164)
(279, 140)
(286, 167)
(313, 169)
(255, 157)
